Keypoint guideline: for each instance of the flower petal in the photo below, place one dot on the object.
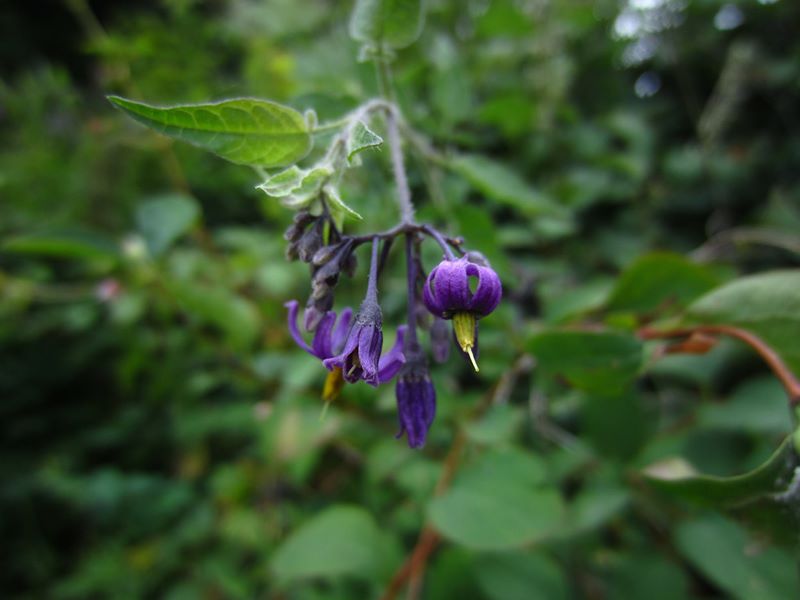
(391, 362)
(293, 306)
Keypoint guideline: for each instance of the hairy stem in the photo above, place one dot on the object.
(372, 282)
(399, 169)
(411, 275)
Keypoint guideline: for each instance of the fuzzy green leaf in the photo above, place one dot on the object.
(243, 130)
(361, 137)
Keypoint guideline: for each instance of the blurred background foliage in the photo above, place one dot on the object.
(616, 160)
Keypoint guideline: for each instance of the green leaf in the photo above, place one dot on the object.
(244, 131)
(296, 187)
(659, 278)
(219, 307)
(67, 244)
(497, 503)
(676, 477)
(387, 23)
(502, 184)
(520, 576)
(498, 426)
(361, 137)
(336, 203)
(603, 362)
(767, 305)
(164, 219)
(723, 552)
(757, 406)
(341, 540)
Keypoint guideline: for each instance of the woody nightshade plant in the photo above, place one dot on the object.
(272, 139)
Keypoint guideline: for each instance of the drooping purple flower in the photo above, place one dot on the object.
(416, 398)
(360, 357)
(328, 340)
(330, 337)
(448, 294)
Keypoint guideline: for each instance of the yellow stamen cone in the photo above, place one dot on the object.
(464, 327)
(331, 390)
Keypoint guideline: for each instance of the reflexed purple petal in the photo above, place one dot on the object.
(489, 291)
(342, 328)
(430, 296)
(370, 344)
(321, 344)
(293, 307)
(341, 360)
(391, 362)
(452, 285)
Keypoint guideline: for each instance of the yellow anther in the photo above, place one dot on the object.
(464, 327)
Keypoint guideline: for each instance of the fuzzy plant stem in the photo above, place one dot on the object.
(372, 282)
(411, 274)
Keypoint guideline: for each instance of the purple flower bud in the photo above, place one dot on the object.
(416, 399)
(440, 340)
(447, 294)
(447, 290)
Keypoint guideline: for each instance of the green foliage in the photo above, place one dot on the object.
(243, 131)
(162, 436)
(391, 24)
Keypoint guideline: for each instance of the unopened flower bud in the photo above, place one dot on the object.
(440, 340)
(310, 242)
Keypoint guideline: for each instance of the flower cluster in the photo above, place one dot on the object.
(459, 289)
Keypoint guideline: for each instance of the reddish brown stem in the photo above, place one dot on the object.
(789, 380)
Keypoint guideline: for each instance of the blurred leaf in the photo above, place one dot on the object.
(361, 138)
(502, 184)
(164, 219)
(767, 305)
(722, 551)
(773, 477)
(593, 507)
(244, 131)
(341, 540)
(604, 362)
(758, 406)
(617, 425)
(73, 244)
(219, 307)
(497, 503)
(387, 23)
(498, 426)
(658, 278)
(520, 576)
(648, 577)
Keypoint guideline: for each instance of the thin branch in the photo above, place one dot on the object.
(789, 380)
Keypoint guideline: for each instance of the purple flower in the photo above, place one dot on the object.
(416, 399)
(448, 294)
(331, 343)
(328, 341)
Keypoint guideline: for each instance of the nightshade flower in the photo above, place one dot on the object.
(329, 343)
(416, 398)
(447, 294)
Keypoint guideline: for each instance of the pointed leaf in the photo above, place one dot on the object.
(361, 137)
(342, 540)
(770, 478)
(244, 131)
